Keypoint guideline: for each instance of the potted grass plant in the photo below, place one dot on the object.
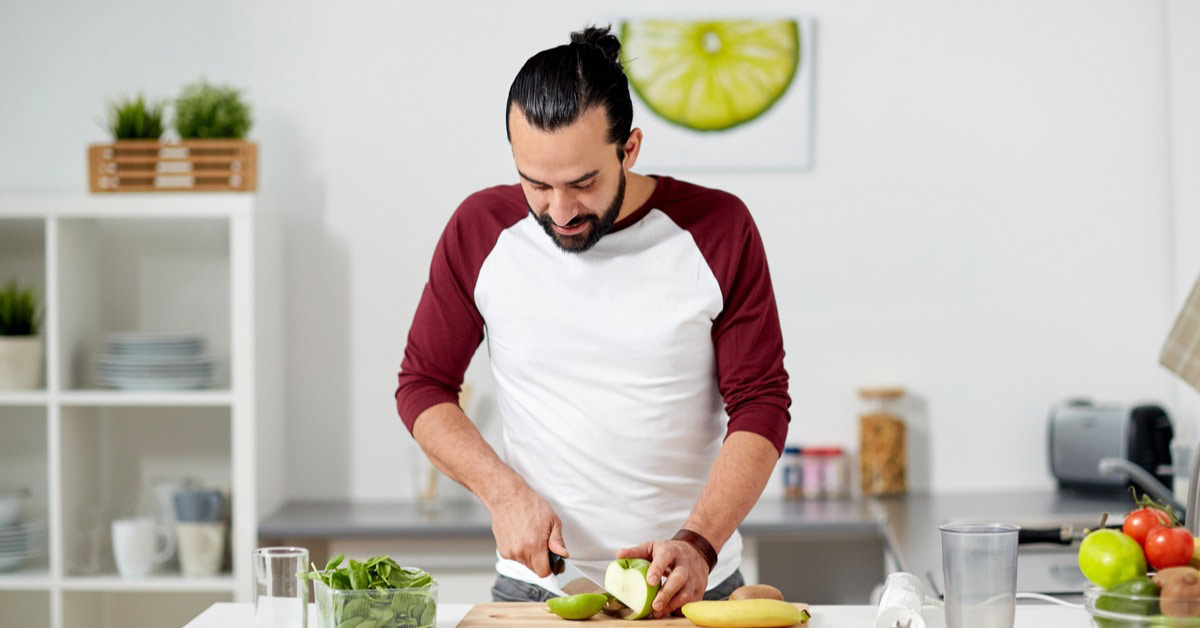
(211, 153)
(135, 119)
(21, 348)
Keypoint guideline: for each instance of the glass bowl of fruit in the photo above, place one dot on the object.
(1142, 573)
(1167, 599)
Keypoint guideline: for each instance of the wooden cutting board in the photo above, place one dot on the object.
(536, 614)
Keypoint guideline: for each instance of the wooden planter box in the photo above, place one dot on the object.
(189, 165)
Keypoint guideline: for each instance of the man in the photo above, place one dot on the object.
(621, 310)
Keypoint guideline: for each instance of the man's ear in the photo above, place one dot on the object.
(632, 147)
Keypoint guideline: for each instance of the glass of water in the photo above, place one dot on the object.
(979, 563)
(280, 595)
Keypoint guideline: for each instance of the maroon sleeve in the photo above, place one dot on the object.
(447, 327)
(746, 334)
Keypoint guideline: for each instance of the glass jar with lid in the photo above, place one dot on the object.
(883, 449)
(825, 473)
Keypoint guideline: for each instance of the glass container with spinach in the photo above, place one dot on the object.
(377, 593)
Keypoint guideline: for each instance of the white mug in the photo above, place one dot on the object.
(201, 548)
(134, 542)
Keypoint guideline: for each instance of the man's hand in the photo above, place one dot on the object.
(682, 564)
(525, 527)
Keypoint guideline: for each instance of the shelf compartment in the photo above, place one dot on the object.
(24, 462)
(135, 609)
(28, 609)
(23, 259)
(110, 458)
(141, 275)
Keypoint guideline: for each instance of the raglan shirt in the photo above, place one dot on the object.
(618, 370)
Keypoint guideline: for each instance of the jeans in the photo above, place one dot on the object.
(512, 590)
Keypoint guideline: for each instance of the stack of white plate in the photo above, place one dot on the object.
(137, 361)
(20, 541)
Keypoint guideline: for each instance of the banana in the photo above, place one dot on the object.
(744, 613)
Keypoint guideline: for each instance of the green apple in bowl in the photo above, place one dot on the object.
(625, 579)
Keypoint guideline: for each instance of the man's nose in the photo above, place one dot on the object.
(562, 207)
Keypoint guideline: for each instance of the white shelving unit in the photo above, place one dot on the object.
(116, 263)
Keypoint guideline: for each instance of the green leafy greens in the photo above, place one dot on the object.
(377, 593)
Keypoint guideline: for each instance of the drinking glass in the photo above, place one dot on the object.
(280, 594)
(979, 563)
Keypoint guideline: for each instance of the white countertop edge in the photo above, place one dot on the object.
(230, 615)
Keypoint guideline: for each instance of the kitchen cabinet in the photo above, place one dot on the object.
(131, 263)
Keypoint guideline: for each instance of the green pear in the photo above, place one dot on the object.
(625, 579)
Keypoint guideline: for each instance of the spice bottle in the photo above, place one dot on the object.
(793, 480)
(882, 442)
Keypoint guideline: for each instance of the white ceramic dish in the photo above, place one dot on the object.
(12, 502)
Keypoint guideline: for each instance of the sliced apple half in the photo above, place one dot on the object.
(625, 579)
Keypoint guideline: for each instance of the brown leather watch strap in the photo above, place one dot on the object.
(700, 543)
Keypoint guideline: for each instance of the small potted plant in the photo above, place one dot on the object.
(208, 112)
(211, 153)
(134, 119)
(20, 346)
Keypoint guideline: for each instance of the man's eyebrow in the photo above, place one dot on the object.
(585, 177)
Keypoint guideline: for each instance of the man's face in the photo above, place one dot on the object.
(574, 183)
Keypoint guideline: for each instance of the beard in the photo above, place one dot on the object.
(597, 225)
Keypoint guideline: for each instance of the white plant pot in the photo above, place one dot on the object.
(20, 362)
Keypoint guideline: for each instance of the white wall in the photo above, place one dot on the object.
(1183, 20)
(989, 220)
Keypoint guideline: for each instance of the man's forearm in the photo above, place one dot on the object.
(737, 480)
(456, 447)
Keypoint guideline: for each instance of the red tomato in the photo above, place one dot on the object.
(1169, 547)
(1140, 522)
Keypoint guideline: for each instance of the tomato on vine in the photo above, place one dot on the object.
(1140, 522)
(1169, 547)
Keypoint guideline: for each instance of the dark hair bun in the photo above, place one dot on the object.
(601, 38)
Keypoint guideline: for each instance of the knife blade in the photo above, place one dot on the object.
(571, 578)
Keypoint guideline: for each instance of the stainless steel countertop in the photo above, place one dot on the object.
(908, 523)
(347, 519)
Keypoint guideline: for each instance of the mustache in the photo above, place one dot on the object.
(574, 222)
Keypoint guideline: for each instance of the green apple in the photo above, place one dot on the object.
(625, 579)
(577, 607)
(1108, 558)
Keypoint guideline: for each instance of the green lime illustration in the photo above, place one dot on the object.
(710, 75)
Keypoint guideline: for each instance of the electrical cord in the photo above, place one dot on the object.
(1021, 595)
(1026, 595)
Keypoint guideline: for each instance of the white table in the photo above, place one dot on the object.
(1028, 616)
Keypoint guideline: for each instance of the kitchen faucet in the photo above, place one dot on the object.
(1149, 484)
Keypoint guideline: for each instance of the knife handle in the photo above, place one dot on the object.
(1057, 536)
(557, 564)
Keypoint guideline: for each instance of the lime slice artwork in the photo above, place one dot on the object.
(710, 75)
